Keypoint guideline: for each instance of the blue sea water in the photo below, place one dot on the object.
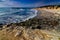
(16, 15)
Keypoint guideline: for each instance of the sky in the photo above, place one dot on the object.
(27, 3)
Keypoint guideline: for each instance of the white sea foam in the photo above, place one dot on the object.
(16, 16)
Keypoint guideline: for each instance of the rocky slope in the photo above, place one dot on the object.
(45, 26)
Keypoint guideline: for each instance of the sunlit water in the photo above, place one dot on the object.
(16, 15)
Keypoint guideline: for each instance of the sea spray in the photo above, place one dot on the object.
(32, 16)
(16, 15)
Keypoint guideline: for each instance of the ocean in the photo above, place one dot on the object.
(16, 15)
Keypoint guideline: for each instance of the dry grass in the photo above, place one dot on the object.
(27, 34)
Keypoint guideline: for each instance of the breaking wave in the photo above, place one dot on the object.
(16, 15)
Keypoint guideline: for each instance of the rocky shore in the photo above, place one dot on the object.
(45, 26)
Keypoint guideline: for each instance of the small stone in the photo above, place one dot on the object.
(17, 34)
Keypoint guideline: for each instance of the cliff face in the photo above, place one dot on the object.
(51, 8)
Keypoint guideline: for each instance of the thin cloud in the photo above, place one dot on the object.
(11, 3)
